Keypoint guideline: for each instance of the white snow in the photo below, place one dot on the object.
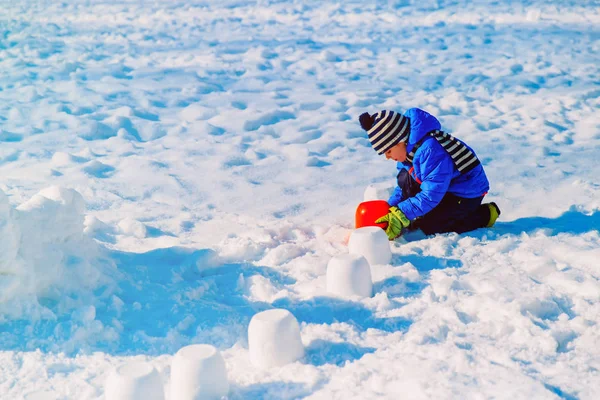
(134, 380)
(198, 372)
(349, 275)
(274, 339)
(171, 169)
(372, 243)
(377, 192)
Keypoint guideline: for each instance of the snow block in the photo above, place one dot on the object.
(274, 339)
(349, 275)
(134, 381)
(198, 372)
(372, 243)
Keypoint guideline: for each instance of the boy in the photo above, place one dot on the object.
(441, 182)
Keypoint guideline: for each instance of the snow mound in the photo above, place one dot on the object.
(45, 257)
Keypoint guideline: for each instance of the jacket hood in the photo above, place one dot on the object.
(421, 123)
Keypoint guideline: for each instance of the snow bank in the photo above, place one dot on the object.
(45, 258)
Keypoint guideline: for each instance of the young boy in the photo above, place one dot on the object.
(441, 182)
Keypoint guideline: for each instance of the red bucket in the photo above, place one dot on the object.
(368, 212)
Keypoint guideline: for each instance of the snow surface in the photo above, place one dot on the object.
(170, 169)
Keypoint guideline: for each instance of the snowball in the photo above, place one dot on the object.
(134, 381)
(349, 275)
(274, 339)
(198, 372)
(372, 243)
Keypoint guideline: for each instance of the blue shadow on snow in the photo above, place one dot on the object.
(164, 299)
(572, 221)
(321, 352)
(328, 310)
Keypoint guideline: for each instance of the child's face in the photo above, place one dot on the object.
(397, 152)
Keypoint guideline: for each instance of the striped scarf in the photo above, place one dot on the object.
(464, 159)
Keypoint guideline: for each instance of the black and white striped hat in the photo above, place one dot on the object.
(385, 129)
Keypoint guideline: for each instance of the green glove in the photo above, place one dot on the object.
(396, 221)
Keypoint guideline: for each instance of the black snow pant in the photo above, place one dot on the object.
(452, 214)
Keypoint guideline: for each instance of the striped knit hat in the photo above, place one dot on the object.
(385, 129)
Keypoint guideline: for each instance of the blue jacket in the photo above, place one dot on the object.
(434, 169)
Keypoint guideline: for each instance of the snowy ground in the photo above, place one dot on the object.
(171, 168)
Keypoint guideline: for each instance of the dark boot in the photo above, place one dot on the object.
(494, 213)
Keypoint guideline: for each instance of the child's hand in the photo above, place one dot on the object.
(396, 221)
